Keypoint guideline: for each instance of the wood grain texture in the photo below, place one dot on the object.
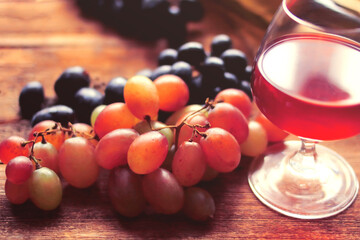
(39, 39)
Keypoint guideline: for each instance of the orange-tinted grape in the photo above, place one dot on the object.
(237, 98)
(189, 164)
(141, 97)
(173, 92)
(256, 142)
(114, 116)
(186, 132)
(144, 127)
(163, 192)
(19, 169)
(147, 152)
(228, 117)
(45, 189)
(47, 154)
(56, 138)
(125, 192)
(17, 193)
(221, 149)
(112, 149)
(199, 205)
(11, 147)
(77, 162)
(274, 134)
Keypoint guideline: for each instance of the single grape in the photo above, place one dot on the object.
(189, 164)
(199, 205)
(11, 147)
(228, 117)
(163, 192)
(45, 189)
(57, 113)
(85, 101)
(114, 116)
(77, 162)
(167, 56)
(112, 149)
(125, 192)
(274, 134)
(173, 92)
(192, 53)
(17, 193)
(31, 99)
(219, 44)
(69, 82)
(221, 149)
(213, 71)
(147, 152)
(47, 155)
(114, 91)
(144, 127)
(95, 113)
(145, 72)
(55, 138)
(141, 97)
(235, 61)
(183, 70)
(237, 98)
(19, 169)
(230, 80)
(246, 87)
(256, 142)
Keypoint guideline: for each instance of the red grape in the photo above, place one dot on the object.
(125, 192)
(141, 97)
(17, 193)
(56, 138)
(189, 164)
(237, 98)
(114, 116)
(199, 204)
(163, 192)
(228, 117)
(47, 154)
(19, 169)
(86, 131)
(147, 152)
(112, 149)
(173, 92)
(45, 189)
(77, 162)
(209, 174)
(174, 118)
(11, 147)
(221, 149)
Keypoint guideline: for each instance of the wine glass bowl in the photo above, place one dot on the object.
(306, 81)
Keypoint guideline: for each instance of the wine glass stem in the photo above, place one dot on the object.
(304, 160)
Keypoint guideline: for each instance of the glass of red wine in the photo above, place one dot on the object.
(306, 80)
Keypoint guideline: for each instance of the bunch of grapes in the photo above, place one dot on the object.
(152, 164)
(145, 19)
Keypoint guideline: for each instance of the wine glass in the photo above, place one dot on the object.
(306, 80)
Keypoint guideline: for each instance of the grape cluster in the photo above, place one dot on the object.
(145, 19)
(153, 165)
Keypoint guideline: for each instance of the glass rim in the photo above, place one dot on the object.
(313, 25)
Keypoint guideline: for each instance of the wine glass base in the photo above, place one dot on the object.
(317, 192)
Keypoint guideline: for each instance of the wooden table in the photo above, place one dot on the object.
(39, 39)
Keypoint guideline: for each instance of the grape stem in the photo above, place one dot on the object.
(209, 104)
